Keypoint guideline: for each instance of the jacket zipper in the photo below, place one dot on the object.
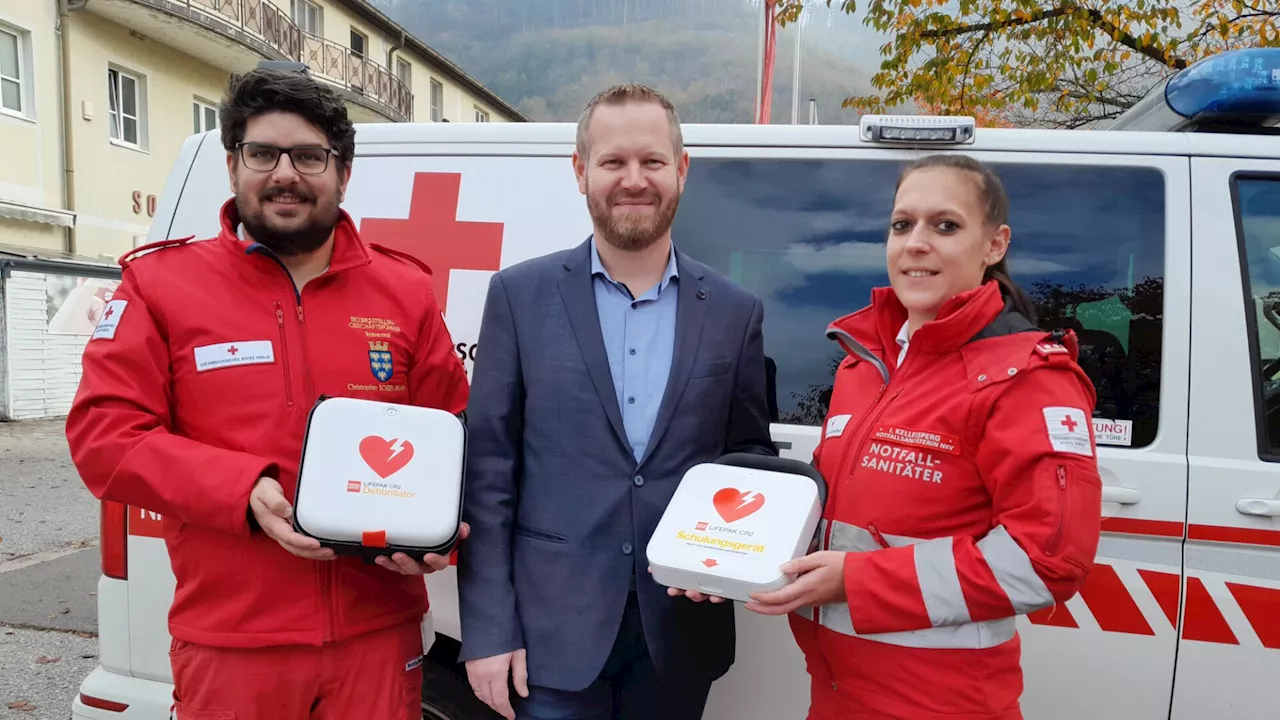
(1063, 500)
(860, 439)
(875, 535)
(284, 351)
(306, 353)
(846, 465)
(328, 573)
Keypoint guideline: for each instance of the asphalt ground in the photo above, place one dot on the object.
(49, 567)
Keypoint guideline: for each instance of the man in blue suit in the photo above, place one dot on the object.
(603, 374)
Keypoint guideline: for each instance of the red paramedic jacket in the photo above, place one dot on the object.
(199, 380)
(965, 490)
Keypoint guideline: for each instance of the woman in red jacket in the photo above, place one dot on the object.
(960, 456)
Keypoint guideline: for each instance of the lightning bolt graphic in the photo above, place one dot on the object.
(747, 497)
(397, 446)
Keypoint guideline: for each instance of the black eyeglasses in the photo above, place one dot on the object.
(306, 159)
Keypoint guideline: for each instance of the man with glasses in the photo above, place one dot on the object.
(193, 404)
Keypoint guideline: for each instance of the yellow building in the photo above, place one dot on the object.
(96, 97)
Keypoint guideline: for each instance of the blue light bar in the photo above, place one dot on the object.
(1232, 91)
(1235, 85)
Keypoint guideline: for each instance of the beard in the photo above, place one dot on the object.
(632, 232)
(295, 241)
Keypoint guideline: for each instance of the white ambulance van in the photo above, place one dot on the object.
(1158, 242)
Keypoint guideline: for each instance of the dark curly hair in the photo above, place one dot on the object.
(268, 90)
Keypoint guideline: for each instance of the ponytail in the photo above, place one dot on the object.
(1013, 295)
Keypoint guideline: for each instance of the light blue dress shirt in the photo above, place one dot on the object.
(639, 337)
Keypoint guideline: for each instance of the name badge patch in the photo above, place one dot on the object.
(918, 438)
(1068, 430)
(248, 352)
(836, 425)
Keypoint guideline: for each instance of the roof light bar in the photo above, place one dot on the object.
(913, 129)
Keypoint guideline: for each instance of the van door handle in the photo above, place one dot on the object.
(1265, 507)
(1122, 495)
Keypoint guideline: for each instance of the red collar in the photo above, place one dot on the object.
(876, 326)
(349, 250)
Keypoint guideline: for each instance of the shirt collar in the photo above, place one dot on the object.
(672, 271)
(903, 338)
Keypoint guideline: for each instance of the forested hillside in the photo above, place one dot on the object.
(550, 56)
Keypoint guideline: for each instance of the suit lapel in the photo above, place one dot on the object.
(580, 303)
(691, 311)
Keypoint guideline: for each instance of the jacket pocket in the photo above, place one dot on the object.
(540, 535)
(1075, 516)
(715, 368)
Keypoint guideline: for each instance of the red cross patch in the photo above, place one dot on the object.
(1068, 430)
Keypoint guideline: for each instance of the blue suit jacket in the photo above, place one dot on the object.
(560, 511)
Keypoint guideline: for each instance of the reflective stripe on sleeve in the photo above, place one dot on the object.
(940, 582)
(1013, 570)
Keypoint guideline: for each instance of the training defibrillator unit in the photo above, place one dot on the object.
(732, 523)
(378, 478)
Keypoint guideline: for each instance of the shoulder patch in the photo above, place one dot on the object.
(402, 256)
(109, 320)
(141, 250)
(1068, 430)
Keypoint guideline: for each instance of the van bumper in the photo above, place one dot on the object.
(141, 699)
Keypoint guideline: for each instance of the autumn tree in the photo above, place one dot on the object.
(1068, 63)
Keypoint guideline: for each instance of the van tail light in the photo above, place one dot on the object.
(114, 540)
(100, 704)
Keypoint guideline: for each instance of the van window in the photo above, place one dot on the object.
(807, 237)
(1257, 206)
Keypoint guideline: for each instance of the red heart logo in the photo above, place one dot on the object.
(733, 505)
(385, 457)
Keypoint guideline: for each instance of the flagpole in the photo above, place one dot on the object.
(795, 72)
(764, 13)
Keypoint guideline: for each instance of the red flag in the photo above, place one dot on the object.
(770, 45)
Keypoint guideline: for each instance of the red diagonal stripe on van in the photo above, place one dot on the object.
(1111, 604)
(1262, 607)
(1239, 536)
(1204, 621)
(433, 234)
(1056, 616)
(1165, 588)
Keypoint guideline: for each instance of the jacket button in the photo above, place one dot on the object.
(626, 548)
(982, 378)
(639, 481)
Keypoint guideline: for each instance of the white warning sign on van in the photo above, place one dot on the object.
(1113, 432)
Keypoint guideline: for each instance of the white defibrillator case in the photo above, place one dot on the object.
(732, 523)
(377, 478)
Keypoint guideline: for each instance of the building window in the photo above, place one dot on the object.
(13, 94)
(127, 105)
(204, 116)
(482, 115)
(309, 17)
(359, 43)
(437, 101)
(793, 233)
(404, 71)
(1257, 206)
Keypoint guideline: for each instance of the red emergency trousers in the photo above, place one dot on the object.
(199, 380)
(965, 491)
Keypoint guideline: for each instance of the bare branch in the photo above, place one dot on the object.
(1095, 18)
